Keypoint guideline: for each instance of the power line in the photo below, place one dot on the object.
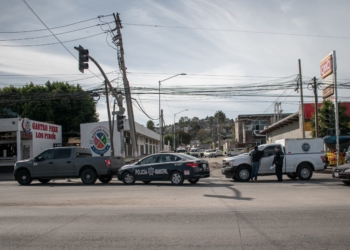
(46, 44)
(57, 27)
(38, 37)
(237, 31)
(54, 35)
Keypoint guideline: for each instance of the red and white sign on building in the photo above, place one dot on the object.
(326, 66)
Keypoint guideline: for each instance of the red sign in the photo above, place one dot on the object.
(326, 66)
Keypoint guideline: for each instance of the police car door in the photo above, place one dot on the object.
(164, 166)
(266, 160)
(145, 168)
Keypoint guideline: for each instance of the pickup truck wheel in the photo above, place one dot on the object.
(243, 174)
(193, 181)
(292, 176)
(128, 178)
(23, 177)
(176, 178)
(304, 172)
(105, 179)
(44, 181)
(88, 176)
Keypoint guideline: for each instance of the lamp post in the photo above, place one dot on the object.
(174, 125)
(160, 116)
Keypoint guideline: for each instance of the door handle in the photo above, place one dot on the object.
(50, 162)
(69, 162)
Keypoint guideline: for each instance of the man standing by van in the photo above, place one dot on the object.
(278, 161)
(255, 157)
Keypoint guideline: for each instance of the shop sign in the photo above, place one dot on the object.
(328, 91)
(26, 136)
(100, 140)
(326, 66)
(50, 129)
(26, 125)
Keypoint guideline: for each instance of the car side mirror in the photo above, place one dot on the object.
(36, 158)
(269, 154)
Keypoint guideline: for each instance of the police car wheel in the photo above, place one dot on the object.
(346, 183)
(88, 176)
(128, 178)
(193, 181)
(304, 173)
(146, 182)
(23, 177)
(177, 178)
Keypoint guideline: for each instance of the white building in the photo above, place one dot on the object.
(97, 137)
(21, 138)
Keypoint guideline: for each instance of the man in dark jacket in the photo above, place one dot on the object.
(255, 157)
(278, 161)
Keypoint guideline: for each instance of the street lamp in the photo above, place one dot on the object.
(160, 116)
(174, 125)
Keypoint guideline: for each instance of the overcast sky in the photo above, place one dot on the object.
(155, 53)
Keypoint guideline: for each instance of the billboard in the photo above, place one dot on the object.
(326, 66)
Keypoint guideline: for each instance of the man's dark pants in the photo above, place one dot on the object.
(279, 172)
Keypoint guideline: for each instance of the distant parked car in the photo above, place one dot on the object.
(235, 152)
(194, 152)
(210, 153)
(347, 156)
(342, 173)
(218, 153)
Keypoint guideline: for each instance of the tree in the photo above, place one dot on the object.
(170, 137)
(220, 116)
(57, 102)
(184, 137)
(203, 135)
(322, 119)
(150, 125)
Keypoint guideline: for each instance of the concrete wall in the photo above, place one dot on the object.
(290, 131)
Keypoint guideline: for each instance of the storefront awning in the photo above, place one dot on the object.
(333, 140)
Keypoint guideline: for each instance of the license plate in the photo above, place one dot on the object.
(336, 174)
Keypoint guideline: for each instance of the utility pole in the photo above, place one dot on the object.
(337, 133)
(301, 100)
(109, 121)
(314, 87)
(118, 41)
(161, 129)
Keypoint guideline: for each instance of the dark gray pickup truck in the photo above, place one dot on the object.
(67, 162)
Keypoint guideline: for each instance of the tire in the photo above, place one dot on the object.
(304, 172)
(23, 177)
(44, 181)
(176, 178)
(292, 176)
(128, 178)
(88, 176)
(193, 181)
(147, 182)
(346, 183)
(105, 179)
(243, 174)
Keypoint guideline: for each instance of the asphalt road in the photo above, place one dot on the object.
(216, 213)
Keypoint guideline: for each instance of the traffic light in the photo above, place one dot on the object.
(83, 58)
(120, 122)
(329, 118)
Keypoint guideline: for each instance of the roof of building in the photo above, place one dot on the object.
(289, 119)
(249, 116)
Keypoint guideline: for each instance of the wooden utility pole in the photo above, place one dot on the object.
(302, 115)
(118, 41)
